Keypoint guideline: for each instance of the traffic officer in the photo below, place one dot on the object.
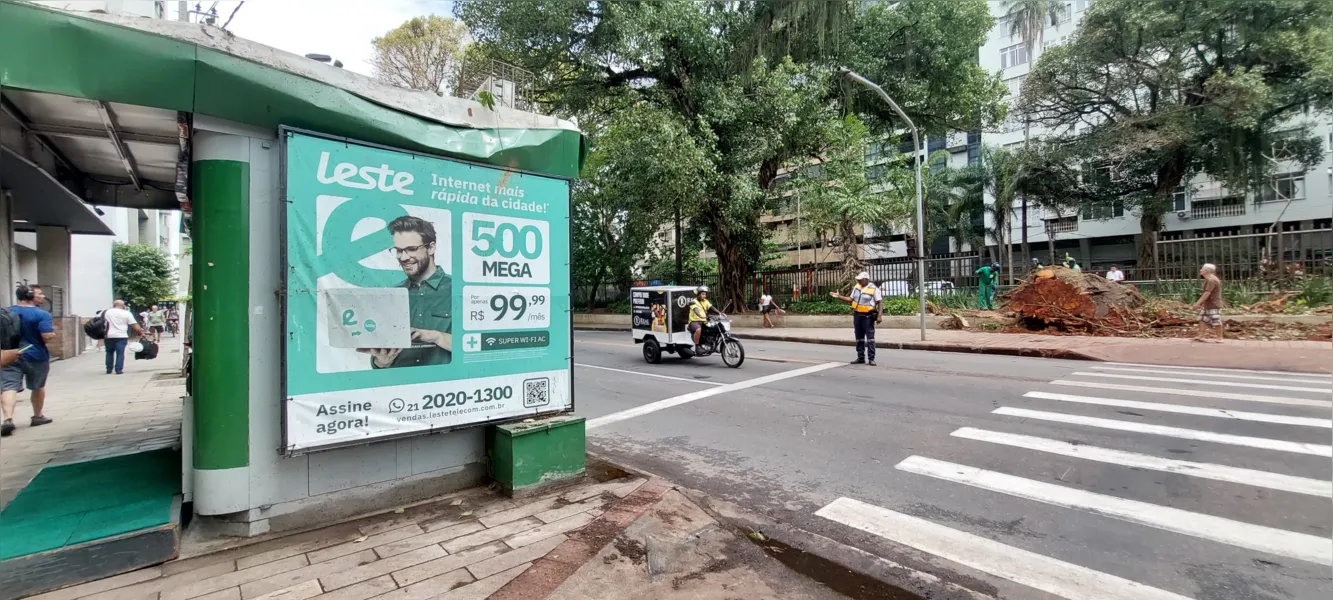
(866, 312)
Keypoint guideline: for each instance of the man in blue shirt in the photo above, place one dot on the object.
(33, 364)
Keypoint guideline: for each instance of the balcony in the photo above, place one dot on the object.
(1230, 206)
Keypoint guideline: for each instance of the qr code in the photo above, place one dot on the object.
(536, 392)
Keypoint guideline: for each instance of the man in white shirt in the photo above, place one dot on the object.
(1115, 274)
(119, 323)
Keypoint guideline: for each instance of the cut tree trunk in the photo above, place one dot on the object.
(1065, 298)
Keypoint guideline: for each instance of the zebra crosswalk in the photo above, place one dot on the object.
(1279, 427)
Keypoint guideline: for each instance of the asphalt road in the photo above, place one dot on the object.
(1178, 483)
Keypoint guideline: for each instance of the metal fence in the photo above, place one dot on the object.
(1250, 256)
(897, 277)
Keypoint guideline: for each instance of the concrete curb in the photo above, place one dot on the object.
(746, 523)
(928, 346)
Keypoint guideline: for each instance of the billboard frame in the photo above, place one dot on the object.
(285, 449)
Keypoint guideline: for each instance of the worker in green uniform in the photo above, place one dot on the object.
(989, 278)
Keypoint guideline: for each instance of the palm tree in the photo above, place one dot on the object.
(840, 200)
(1027, 19)
(964, 204)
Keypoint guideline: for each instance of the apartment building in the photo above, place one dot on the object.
(1202, 208)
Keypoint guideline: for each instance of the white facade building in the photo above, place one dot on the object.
(1098, 241)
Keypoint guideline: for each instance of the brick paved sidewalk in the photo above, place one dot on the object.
(96, 415)
(1247, 354)
(470, 545)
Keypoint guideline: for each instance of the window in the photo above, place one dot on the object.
(874, 151)
(1012, 122)
(974, 154)
(1013, 56)
(874, 173)
(1104, 210)
(1287, 186)
(1180, 199)
(1054, 42)
(1062, 14)
(1015, 85)
(935, 143)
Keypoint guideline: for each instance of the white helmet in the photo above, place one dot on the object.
(702, 288)
(862, 275)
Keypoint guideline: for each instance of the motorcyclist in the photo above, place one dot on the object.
(699, 311)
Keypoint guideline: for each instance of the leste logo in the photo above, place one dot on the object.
(370, 177)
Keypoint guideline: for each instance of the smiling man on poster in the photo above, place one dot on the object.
(429, 298)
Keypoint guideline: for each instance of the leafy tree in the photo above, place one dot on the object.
(750, 80)
(424, 53)
(1163, 90)
(142, 275)
(627, 193)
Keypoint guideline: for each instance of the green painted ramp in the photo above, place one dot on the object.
(88, 520)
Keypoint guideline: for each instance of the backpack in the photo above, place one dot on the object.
(10, 325)
(149, 351)
(96, 327)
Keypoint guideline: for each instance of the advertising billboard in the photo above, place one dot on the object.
(421, 293)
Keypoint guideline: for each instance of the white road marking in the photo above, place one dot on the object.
(1176, 432)
(653, 407)
(1276, 481)
(1228, 370)
(650, 374)
(1300, 546)
(1195, 393)
(1289, 377)
(1261, 386)
(1187, 410)
(1033, 570)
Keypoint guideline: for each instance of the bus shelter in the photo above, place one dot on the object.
(380, 276)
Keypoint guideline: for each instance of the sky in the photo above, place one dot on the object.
(339, 28)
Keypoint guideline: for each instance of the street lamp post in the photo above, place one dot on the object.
(920, 208)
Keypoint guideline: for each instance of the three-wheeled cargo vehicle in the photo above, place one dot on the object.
(659, 316)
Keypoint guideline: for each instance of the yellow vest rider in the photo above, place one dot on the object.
(699, 311)
(865, 301)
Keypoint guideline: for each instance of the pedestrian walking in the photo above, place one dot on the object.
(988, 280)
(866, 301)
(34, 361)
(157, 323)
(1115, 274)
(768, 305)
(119, 324)
(1209, 305)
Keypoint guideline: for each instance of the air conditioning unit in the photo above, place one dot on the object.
(1183, 215)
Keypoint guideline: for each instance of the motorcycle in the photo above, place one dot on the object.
(659, 320)
(717, 339)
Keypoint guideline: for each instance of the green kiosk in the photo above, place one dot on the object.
(380, 287)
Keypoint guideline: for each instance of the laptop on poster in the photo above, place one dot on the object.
(368, 318)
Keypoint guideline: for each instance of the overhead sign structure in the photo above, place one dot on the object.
(421, 293)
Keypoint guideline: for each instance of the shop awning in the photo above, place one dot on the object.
(40, 200)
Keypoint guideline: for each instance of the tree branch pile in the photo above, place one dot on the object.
(1066, 299)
